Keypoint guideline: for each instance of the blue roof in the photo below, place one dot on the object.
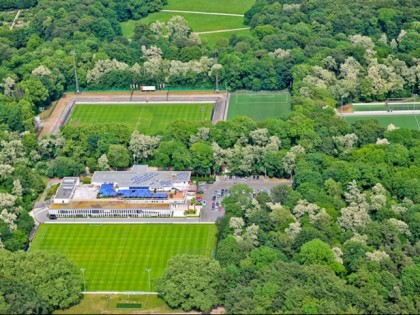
(140, 193)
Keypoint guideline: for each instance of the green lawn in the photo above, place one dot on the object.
(146, 118)
(116, 256)
(259, 106)
(401, 121)
(198, 22)
(221, 6)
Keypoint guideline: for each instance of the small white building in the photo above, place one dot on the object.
(66, 190)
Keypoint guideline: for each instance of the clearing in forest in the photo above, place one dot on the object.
(115, 256)
(199, 18)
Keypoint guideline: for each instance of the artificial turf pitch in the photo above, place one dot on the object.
(146, 118)
(401, 121)
(116, 256)
(259, 106)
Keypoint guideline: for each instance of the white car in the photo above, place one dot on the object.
(203, 202)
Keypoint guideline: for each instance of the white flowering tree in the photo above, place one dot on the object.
(356, 213)
(143, 146)
(8, 85)
(103, 163)
(345, 143)
(289, 161)
(151, 52)
(104, 66)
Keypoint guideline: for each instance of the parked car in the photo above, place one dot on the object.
(52, 217)
(203, 203)
(213, 198)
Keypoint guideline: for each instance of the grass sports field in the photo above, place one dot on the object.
(401, 121)
(146, 118)
(259, 106)
(116, 256)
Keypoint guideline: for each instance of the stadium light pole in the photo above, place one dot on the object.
(73, 52)
(148, 277)
(84, 281)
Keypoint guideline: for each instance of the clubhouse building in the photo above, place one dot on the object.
(139, 192)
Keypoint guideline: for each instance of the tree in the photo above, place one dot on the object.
(55, 279)
(318, 252)
(118, 156)
(190, 282)
(103, 163)
(143, 146)
(201, 158)
(63, 166)
(34, 91)
(20, 298)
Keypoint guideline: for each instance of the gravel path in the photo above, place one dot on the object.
(223, 31)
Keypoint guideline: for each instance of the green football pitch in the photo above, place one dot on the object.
(401, 121)
(146, 118)
(259, 106)
(116, 256)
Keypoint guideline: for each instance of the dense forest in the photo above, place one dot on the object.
(345, 236)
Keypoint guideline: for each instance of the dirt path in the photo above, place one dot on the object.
(53, 123)
(200, 12)
(222, 31)
(14, 21)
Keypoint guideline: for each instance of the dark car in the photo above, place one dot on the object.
(213, 198)
(52, 217)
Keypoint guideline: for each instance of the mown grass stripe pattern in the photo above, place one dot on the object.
(146, 118)
(116, 256)
(259, 106)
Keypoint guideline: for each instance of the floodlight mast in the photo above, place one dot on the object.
(73, 52)
(148, 277)
(84, 281)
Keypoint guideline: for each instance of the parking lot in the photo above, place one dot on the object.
(208, 214)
